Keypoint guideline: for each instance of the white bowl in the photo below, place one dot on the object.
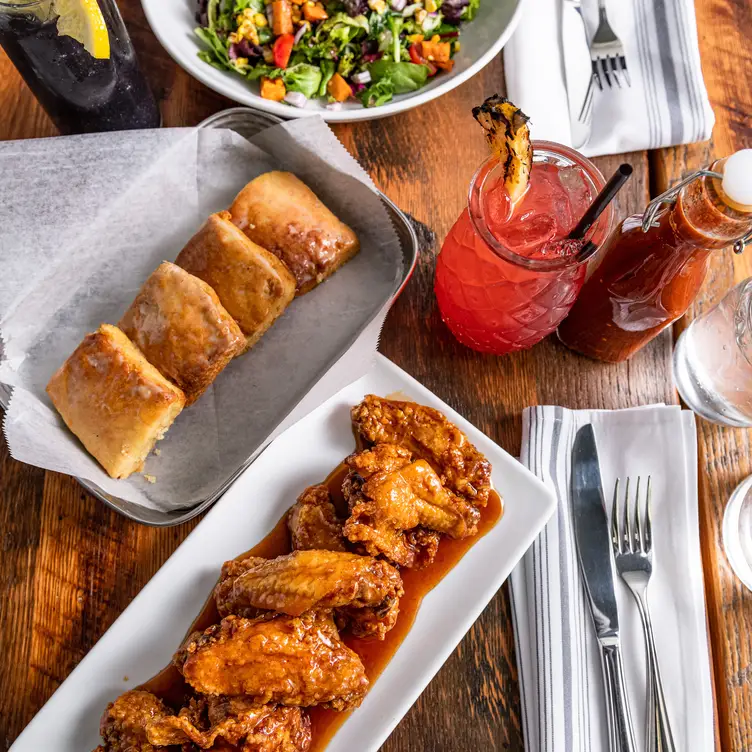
(173, 22)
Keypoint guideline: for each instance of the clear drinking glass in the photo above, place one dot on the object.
(713, 360)
(737, 531)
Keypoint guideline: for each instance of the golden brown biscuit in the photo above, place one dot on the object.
(114, 400)
(254, 285)
(282, 214)
(181, 327)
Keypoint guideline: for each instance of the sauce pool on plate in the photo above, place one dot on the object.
(170, 686)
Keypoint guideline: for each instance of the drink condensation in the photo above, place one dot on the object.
(713, 360)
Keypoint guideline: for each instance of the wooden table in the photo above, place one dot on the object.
(69, 565)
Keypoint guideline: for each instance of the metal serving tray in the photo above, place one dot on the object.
(247, 123)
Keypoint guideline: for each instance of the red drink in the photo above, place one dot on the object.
(506, 278)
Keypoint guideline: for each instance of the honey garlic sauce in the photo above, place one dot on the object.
(169, 685)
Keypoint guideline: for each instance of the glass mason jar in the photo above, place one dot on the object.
(80, 93)
(506, 281)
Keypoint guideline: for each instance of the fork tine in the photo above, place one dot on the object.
(604, 64)
(614, 71)
(648, 521)
(627, 522)
(624, 69)
(639, 540)
(597, 74)
(615, 539)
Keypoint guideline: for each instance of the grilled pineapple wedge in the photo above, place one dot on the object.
(509, 136)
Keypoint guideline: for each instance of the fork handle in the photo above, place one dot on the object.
(621, 734)
(659, 736)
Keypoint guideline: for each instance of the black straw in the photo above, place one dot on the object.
(601, 201)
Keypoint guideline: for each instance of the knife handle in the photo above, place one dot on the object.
(621, 734)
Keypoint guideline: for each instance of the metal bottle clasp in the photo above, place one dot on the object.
(669, 197)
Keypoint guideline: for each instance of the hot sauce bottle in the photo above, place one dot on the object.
(654, 264)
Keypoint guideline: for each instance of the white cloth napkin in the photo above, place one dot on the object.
(563, 699)
(667, 103)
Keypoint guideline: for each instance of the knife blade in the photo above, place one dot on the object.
(577, 67)
(593, 543)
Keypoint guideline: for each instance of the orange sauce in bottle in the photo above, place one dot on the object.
(170, 686)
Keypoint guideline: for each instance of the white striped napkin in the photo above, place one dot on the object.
(562, 689)
(667, 103)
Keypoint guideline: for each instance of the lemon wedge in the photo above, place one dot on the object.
(83, 20)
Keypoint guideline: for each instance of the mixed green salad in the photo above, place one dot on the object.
(336, 49)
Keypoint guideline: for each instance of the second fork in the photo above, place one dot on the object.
(632, 541)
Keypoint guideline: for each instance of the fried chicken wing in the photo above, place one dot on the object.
(239, 721)
(429, 436)
(304, 580)
(390, 495)
(313, 522)
(124, 723)
(286, 660)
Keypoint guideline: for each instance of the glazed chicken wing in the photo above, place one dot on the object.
(313, 522)
(286, 660)
(391, 497)
(124, 723)
(429, 436)
(304, 580)
(239, 721)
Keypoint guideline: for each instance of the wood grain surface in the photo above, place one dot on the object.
(69, 565)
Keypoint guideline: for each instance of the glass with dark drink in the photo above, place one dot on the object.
(78, 60)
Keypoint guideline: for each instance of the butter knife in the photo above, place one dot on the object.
(593, 541)
(577, 68)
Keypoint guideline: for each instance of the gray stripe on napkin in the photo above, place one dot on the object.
(534, 550)
(564, 573)
(549, 651)
(649, 78)
(671, 85)
(692, 77)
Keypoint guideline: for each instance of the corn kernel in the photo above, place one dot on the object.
(233, 38)
(421, 15)
(248, 13)
(241, 62)
(415, 38)
(435, 39)
(431, 6)
(377, 5)
(260, 20)
(457, 46)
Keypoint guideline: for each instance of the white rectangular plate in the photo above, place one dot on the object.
(145, 636)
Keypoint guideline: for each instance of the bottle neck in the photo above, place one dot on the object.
(703, 218)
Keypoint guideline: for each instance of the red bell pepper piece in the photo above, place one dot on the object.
(282, 50)
(416, 55)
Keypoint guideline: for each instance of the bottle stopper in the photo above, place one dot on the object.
(737, 179)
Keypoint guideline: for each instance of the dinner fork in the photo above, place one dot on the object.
(633, 555)
(607, 58)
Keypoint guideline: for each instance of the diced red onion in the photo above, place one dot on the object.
(296, 98)
(334, 106)
(364, 77)
(301, 31)
(399, 5)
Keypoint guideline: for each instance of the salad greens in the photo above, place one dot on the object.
(336, 49)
